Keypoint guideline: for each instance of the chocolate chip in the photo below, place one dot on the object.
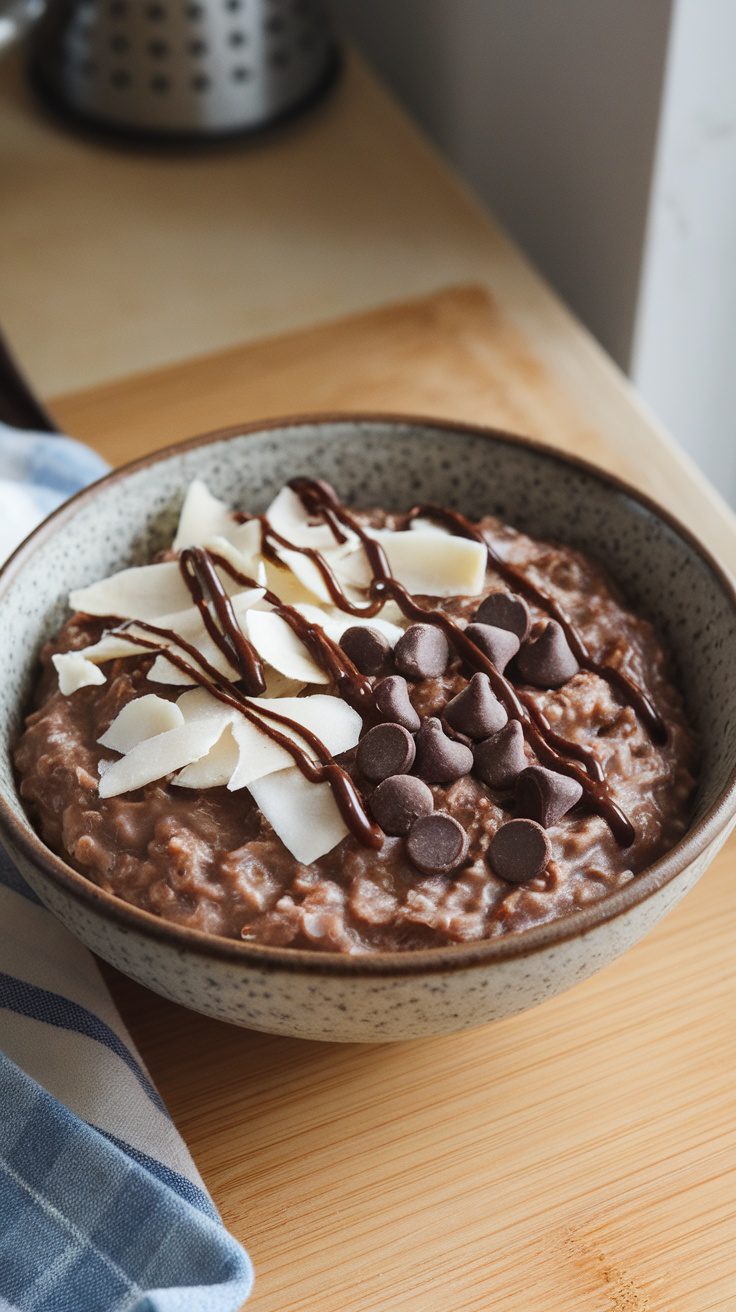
(367, 648)
(440, 760)
(519, 851)
(545, 659)
(505, 610)
(437, 843)
(386, 749)
(391, 696)
(544, 795)
(500, 759)
(399, 801)
(499, 645)
(422, 652)
(476, 711)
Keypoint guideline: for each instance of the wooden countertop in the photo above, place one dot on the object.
(578, 1158)
(114, 261)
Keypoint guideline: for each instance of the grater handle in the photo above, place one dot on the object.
(16, 17)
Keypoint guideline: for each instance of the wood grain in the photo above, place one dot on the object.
(455, 354)
(579, 1158)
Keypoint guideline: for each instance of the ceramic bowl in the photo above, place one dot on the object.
(663, 571)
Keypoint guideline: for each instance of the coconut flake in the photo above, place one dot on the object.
(287, 516)
(305, 816)
(144, 592)
(157, 757)
(140, 593)
(307, 574)
(215, 769)
(435, 564)
(277, 685)
(246, 538)
(278, 645)
(202, 517)
(201, 704)
(111, 647)
(426, 563)
(252, 753)
(75, 671)
(331, 720)
(190, 626)
(258, 755)
(288, 588)
(143, 718)
(242, 550)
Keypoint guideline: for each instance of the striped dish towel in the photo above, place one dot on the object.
(101, 1206)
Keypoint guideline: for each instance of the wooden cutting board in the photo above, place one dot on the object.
(578, 1158)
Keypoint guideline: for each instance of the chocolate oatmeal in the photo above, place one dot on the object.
(356, 732)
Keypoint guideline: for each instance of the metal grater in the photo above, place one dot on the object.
(173, 68)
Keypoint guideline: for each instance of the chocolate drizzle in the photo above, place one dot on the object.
(628, 689)
(199, 568)
(270, 536)
(201, 578)
(353, 686)
(324, 770)
(317, 499)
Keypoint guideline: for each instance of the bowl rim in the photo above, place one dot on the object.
(20, 836)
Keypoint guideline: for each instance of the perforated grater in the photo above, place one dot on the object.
(172, 68)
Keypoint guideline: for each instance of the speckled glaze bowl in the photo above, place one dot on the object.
(664, 572)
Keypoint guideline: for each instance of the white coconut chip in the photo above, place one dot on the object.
(390, 613)
(436, 564)
(75, 671)
(334, 723)
(140, 593)
(288, 588)
(278, 645)
(202, 517)
(144, 592)
(277, 685)
(305, 816)
(246, 538)
(201, 704)
(307, 574)
(258, 755)
(143, 718)
(211, 745)
(157, 757)
(215, 769)
(78, 673)
(190, 626)
(111, 647)
(287, 516)
(241, 549)
(426, 563)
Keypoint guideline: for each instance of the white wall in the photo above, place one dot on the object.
(603, 134)
(549, 108)
(684, 357)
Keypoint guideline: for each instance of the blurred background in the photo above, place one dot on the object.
(603, 135)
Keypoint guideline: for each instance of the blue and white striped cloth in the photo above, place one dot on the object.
(101, 1206)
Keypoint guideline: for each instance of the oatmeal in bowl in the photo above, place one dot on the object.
(355, 730)
(406, 740)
